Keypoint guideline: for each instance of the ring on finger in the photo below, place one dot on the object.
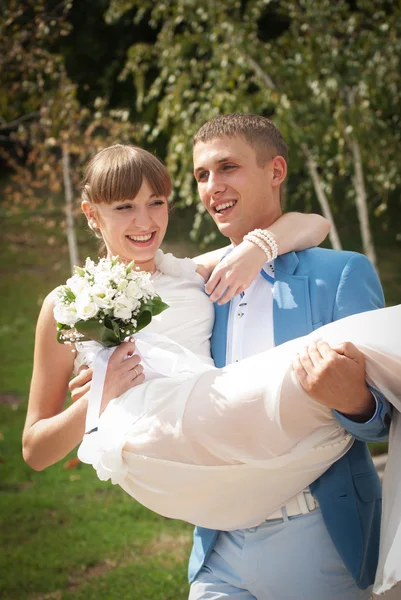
(136, 373)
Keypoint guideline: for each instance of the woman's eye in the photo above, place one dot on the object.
(158, 203)
(123, 207)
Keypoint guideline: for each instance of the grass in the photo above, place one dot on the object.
(65, 534)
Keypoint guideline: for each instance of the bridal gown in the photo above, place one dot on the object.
(224, 448)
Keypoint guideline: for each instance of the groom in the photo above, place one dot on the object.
(323, 545)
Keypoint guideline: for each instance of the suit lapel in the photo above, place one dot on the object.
(291, 302)
(219, 335)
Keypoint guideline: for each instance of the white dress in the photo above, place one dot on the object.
(224, 448)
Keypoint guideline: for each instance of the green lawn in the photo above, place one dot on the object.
(64, 534)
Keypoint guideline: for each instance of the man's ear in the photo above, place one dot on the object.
(279, 170)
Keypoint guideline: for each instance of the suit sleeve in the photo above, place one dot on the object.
(359, 290)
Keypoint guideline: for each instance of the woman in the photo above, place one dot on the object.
(133, 201)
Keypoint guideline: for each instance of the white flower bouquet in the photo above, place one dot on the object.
(105, 302)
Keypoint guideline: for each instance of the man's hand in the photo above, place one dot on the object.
(335, 377)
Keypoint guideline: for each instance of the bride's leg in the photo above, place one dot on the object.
(255, 410)
(251, 411)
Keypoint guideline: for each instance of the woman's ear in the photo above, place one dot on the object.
(279, 170)
(90, 213)
(88, 209)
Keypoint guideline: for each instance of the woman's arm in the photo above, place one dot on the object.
(232, 275)
(50, 432)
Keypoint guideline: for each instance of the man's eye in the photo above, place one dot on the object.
(201, 176)
(228, 167)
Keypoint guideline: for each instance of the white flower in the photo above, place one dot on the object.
(77, 284)
(65, 314)
(123, 307)
(122, 285)
(102, 295)
(134, 291)
(148, 289)
(86, 307)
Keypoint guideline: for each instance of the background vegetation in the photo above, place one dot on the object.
(78, 76)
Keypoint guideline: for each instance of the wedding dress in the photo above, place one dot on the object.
(224, 448)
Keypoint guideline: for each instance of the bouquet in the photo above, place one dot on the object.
(105, 302)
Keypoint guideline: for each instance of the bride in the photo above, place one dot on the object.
(135, 200)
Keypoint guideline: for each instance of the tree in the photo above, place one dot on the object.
(318, 76)
(55, 136)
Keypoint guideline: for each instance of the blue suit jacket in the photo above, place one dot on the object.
(313, 288)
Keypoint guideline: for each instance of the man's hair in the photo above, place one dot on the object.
(260, 133)
(116, 173)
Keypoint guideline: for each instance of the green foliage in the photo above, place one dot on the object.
(330, 77)
(38, 78)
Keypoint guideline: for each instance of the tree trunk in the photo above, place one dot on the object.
(313, 172)
(361, 202)
(69, 208)
(321, 196)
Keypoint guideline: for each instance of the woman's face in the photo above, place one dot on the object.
(132, 229)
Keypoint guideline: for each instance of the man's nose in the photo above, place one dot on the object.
(215, 185)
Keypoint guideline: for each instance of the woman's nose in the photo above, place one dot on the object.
(142, 218)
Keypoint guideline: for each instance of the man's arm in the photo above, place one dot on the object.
(360, 290)
(336, 377)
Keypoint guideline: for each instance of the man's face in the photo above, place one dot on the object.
(239, 195)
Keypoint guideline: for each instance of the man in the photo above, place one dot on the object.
(323, 544)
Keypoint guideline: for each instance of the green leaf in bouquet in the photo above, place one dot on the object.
(69, 294)
(79, 271)
(111, 334)
(158, 305)
(91, 329)
(143, 318)
(151, 308)
(130, 267)
(104, 333)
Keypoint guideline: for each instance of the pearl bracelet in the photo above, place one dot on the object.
(268, 238)
(250, 237)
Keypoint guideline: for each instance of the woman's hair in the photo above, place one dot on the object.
(116, 173)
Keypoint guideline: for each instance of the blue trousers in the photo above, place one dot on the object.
(282, 559)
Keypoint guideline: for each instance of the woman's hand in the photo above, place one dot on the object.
(80, 385)
(235, 272)
(124, 372)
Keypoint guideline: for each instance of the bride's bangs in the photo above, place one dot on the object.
(116, 174)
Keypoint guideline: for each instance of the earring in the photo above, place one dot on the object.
(93, 224)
